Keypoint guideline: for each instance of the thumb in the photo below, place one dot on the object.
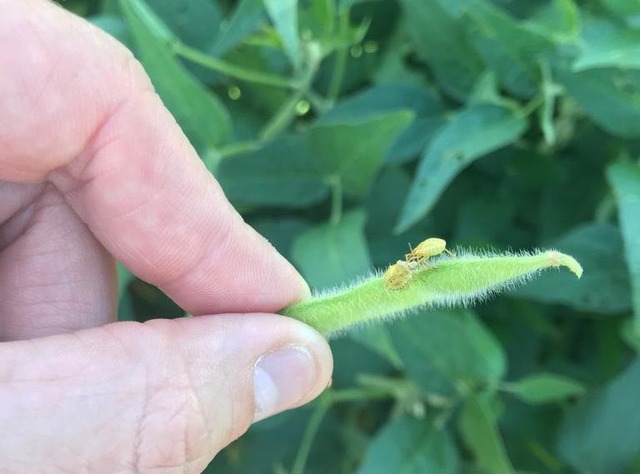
(164, 394)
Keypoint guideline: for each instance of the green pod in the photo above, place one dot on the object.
(446, 281)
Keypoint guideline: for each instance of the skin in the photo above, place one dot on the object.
(93, 168)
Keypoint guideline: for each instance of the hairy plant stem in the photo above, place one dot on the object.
(448, 281)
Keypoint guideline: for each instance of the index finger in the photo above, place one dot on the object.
(106, 141)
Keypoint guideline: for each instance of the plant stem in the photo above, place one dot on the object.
(549, 92)
(287, 112)
(282, 118)
(341, 59)
(319, 103)
(237, 148)
(231, 70)
(532, 105)
(359, 394)
(324, 403)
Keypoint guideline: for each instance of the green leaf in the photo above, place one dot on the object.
(194, 22)
(114, 26)
(247, 17)
(575, 180)
(333, 254)
(409, 446)
(354, 149)
(601, 435)
(393, 67)
(379, 100)
(200, 114)
(344, 36)
(284, 15)
(126, 311)
(448, 352)
(471, 134)
(604, 287)
(124, 278)
(356, 360)
(486, 90)
(455, 8)
(610, 97)
(625, 180)
(558, 20)
(378, 339)
(608, 44)
(507, 47)
(345, 4)
(283, 174)
(440, 40)
(545, 388)
(280, 232)
(383, 202)
(480, 432)
(623, 8)
(631, 334)
(318, 19)
(481, 219)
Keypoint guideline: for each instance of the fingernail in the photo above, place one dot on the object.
(282, 379)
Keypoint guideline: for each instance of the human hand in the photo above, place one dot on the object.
(92, 167)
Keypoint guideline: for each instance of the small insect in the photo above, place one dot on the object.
(398, 275)
(426, 249)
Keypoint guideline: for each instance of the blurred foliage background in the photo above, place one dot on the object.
(343, 130)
